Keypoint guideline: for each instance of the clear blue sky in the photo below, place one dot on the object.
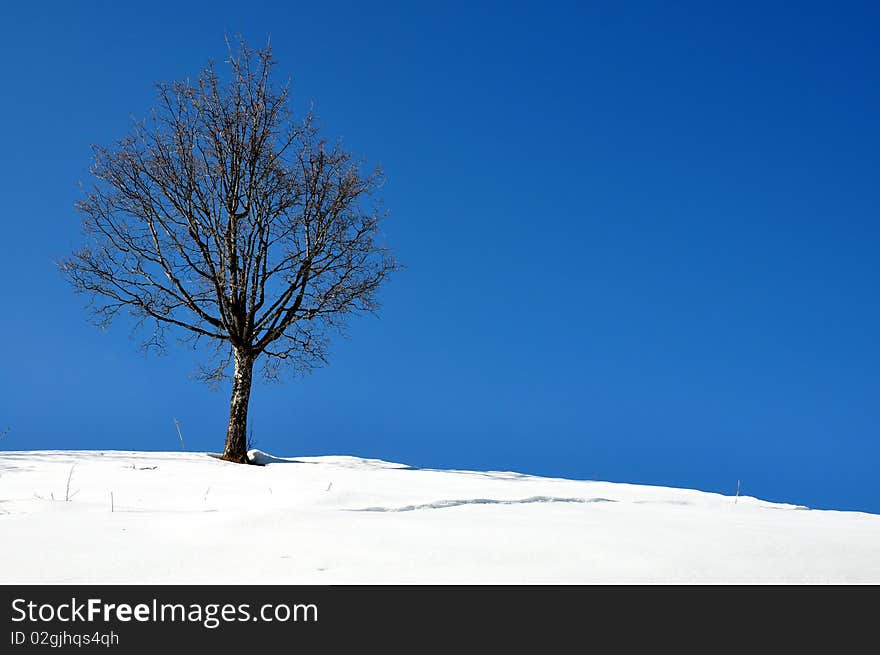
(641, 238)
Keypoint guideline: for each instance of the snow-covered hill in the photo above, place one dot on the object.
(185, 517)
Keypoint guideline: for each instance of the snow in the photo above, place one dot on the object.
(185, 517)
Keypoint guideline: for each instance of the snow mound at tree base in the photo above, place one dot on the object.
(260, 458)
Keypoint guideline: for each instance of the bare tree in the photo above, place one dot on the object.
(225, 216)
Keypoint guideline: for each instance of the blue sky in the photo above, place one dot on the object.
(641, 238)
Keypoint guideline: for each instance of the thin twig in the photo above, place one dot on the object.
(180, 434)
(67, 490)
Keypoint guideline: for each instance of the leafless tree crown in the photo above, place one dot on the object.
(224, 215)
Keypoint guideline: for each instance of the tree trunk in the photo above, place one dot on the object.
(236, 433)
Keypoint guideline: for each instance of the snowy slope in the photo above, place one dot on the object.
(182, 517)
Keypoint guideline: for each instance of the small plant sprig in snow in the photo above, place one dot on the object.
(67, 495)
